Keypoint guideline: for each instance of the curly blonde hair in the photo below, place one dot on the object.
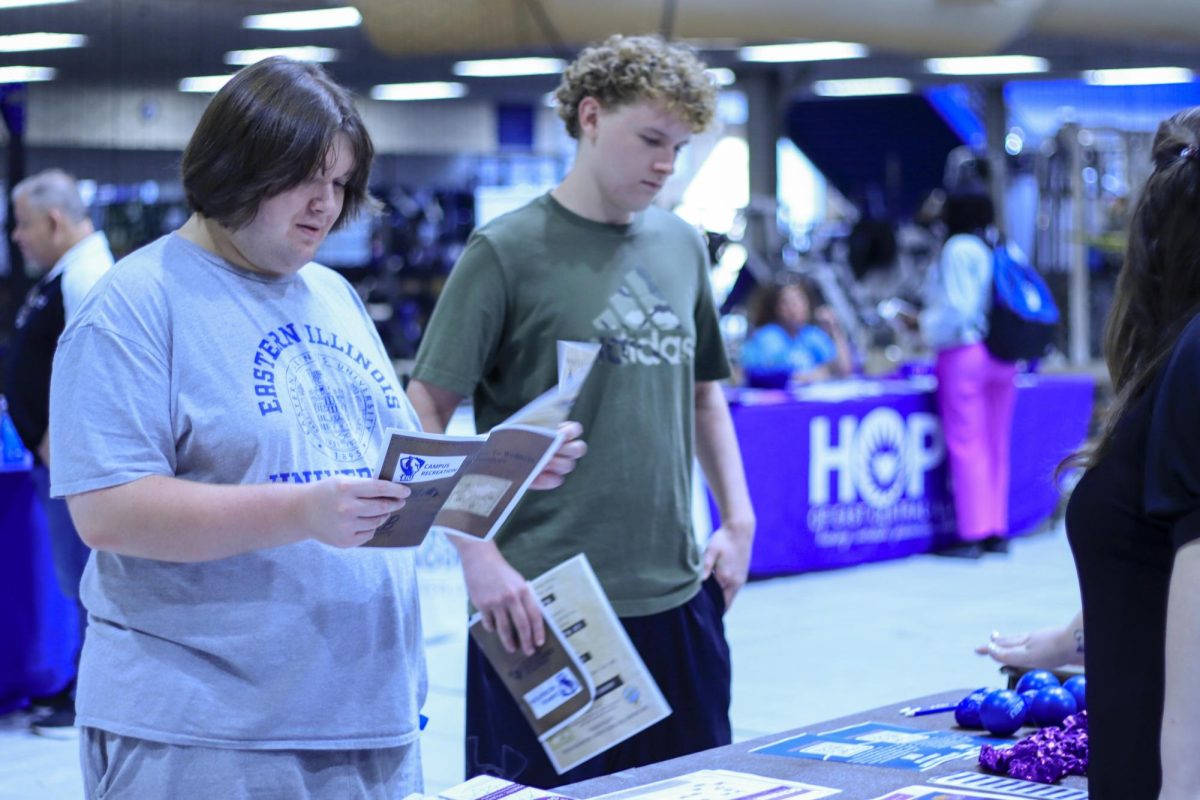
(629, 69)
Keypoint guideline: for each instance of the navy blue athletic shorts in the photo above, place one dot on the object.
(686, 652)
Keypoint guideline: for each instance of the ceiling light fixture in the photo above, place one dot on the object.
(28, 42)
(862, 87)
(26, 74)
(320, 55)
(318, 19)
(28, 3)
(803, 51)
(431, 90)
(987, 65)
(722, 76)
(508, 67)
(204, 83)
(1138, 76)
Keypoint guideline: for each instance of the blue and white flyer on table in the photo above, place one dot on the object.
(982, 786)
(990, 785)
(879, 744)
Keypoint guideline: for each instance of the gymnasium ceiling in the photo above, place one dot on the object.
(144, 43)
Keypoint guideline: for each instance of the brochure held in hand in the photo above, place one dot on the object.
(468, 485)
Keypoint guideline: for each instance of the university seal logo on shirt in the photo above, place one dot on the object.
(329, 384)
(333, 404)
(638, 326)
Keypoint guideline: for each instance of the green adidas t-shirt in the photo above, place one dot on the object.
(540, 274)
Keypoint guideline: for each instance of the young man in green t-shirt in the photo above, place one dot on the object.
(593, 260)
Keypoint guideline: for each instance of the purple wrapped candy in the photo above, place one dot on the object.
(1045, 756)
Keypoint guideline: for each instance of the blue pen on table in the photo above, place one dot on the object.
(920, 711)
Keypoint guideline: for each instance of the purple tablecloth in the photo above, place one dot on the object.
(856, 472)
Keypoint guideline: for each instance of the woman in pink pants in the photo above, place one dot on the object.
(975, 391)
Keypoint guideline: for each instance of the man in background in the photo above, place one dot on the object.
(57, 238)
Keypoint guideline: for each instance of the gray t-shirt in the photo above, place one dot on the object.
(181, 364)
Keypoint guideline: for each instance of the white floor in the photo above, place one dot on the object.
(805, 648)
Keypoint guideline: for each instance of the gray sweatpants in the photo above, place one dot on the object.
(126, 768)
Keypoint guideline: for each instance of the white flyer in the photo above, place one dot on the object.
(722, 784)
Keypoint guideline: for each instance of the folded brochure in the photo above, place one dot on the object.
(586, 689)
(468, 485)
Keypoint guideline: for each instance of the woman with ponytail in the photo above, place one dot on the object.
(1134, 518)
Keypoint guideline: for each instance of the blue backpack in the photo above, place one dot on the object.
(1024, 316)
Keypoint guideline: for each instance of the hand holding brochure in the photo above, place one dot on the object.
(468, 485)
(586, 689)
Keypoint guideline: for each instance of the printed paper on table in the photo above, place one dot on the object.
(722, 784)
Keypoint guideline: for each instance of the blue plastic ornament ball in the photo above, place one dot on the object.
(1002, 711)
(1077, 686)
(967, 712)
(1052, 705)
(1028, 695)
(1036, 679)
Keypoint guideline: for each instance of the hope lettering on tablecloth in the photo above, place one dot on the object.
(867, 482)
(878, 459)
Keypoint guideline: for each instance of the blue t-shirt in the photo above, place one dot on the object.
(770, 350)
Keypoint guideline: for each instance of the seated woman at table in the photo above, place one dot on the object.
(787, 346)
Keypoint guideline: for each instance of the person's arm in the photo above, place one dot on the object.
(500, 593)
(43, 448)
(1181, 703)
(1044, 649)
(171, 519)
(433, 404)
(842, 363)
(814, 375)
(728, 553)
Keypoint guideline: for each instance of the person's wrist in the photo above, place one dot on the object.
(1068, 646)
(740, 526)
(296, 501)
(472, 551)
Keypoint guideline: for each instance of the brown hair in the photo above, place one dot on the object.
(764, 307)
(267, 130)
(1158, 290)
(629, 69)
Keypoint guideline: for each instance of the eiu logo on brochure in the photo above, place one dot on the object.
(419, 469)
(638, 326)
(331, 386)
(410, 466)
